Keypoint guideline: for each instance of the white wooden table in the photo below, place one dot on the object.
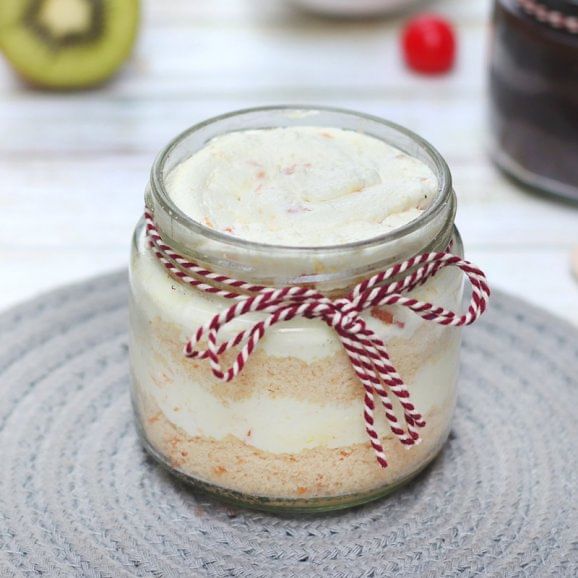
(73, 166)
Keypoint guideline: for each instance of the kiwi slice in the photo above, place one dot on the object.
(67, 43)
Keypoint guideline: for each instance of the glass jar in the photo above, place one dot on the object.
(534, 93)
(288, 432)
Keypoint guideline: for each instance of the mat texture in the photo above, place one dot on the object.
(78, 497)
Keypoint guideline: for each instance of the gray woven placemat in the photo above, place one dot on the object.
(78, 497)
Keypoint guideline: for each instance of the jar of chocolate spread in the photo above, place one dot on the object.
(534, 93)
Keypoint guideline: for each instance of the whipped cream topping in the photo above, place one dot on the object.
(301, 186)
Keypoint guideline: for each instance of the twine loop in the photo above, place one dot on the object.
(367, 352)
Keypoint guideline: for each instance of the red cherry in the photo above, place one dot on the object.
(429, 44)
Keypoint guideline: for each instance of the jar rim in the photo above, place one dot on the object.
(444, 193)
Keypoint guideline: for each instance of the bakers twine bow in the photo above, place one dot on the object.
(367, 352)
(553, 18)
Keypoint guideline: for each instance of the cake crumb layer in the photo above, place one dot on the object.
(232, 464)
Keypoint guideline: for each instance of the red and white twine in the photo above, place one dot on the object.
(367, 352)
(553, 18)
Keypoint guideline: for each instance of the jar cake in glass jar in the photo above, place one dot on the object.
(284, 198)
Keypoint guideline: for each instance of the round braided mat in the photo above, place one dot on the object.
(78, 496)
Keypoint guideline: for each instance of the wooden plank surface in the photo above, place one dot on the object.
(74, 165)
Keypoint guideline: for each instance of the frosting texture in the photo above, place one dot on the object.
(301, 186)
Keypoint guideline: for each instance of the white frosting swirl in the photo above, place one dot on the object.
(301, 186)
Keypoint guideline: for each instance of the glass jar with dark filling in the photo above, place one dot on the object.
(534, 93)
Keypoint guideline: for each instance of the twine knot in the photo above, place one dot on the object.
(367, 352)
(345, 323)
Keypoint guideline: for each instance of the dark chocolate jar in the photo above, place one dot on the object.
(534, 93)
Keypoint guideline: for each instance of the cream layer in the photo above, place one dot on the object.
(159, 295)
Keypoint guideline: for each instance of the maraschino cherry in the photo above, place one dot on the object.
(429, 44)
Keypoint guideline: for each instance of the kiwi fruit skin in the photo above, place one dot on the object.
(72, 61)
